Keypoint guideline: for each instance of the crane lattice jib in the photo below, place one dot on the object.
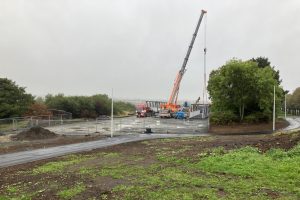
(175, 90)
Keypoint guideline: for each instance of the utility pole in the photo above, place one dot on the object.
(285, 106)
(112, 114)
(274, 111)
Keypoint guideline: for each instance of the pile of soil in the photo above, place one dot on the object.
(35, 133)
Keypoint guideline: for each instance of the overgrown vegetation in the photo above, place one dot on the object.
(87, 106)
(242, 91)
(15, 102)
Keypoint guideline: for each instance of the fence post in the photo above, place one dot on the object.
(96, 125)
(49, 121)
(13, 124)
(208, 124)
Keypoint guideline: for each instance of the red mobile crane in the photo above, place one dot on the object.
(170, 108)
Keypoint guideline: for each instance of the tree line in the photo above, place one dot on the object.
(16, 102)
(293, 100)
(88, 106)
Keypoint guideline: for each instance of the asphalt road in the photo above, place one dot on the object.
(11, 159)
(294, 123)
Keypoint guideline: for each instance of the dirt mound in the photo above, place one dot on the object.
(35, 133)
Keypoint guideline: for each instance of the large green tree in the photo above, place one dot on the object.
(14, 101)
(243, 88)
(263, 62)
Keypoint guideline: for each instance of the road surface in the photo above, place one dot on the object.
(294, 123)
(11, 159)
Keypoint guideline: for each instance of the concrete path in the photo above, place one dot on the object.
(11, 159)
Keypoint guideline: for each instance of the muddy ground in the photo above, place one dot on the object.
(10, 145)
(104, 185)
(236, 129)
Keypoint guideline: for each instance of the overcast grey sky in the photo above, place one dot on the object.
(84, 47)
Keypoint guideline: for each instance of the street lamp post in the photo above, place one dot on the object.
(112, 114)
(285, 106)
(274, 110)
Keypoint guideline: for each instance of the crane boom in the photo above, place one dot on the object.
(174, 95)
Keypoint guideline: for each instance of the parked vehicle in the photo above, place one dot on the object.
(144, 111)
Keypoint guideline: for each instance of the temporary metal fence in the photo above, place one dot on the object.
(65, 125)
(132, 125)
(293, 112)
(16, 124)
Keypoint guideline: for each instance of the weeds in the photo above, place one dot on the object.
(58, 166)
(71, 192)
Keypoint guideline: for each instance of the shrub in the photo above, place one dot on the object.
(223, 118)
(257, 117)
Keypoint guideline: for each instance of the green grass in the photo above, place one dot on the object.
(17, 192)
(121, 171)
(59, 166)
(111, 155)
(244, 173)
(87, 171)
(71, 192)
(276, 169)
(12, 189)
(186, 139)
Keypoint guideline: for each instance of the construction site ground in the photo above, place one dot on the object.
(206, 167)
(86, 131)
(7, 145)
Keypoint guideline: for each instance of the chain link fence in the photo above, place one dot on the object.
(132, 125)
(65, 125)
(17, 124)
(295, 112)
